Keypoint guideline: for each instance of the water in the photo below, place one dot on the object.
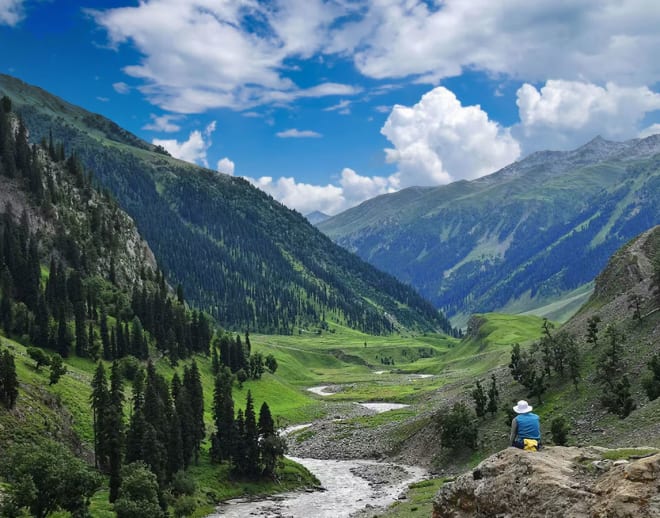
(348, 490)
(321, 391)
(379, 408)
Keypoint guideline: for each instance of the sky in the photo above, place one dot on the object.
(326, 103)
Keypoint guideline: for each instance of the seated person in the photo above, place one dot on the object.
(525, 428)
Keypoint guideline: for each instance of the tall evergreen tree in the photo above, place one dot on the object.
(114, 422)
(192, 381)
(105, 338)
(100, 399)
(480, 399)
(223, 415)
(493, 396)
(8, 380)
(271, 445)
(251, 438)
(137, 425)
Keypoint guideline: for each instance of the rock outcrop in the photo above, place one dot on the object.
(555, 482)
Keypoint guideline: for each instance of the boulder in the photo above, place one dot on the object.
(559, 482)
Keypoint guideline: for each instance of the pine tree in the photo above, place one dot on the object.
(271, 445)
(105, 339)
(592, 330)
(223, 415)
(238, 448)
(57, 369)
(114, 422)
(493, 396)
(8, 380)
(251, 438)
(100, 399)
(192, 381)
(480, 399)
(64, 338)
(137, 424)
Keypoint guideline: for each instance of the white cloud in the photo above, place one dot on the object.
(342, 107)
(331, 199)
(438, 141)
(226, 166)
(593, 40)
(192, 150)
(303, 197)
(11, 12)
(163, 123)
(295, 133)
(653, 129)
(200, 54)
(565, 114)
(121, 87)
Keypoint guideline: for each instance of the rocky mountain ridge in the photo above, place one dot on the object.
(525, 238)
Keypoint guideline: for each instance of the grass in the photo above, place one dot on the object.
(419, 502)
(627, 453)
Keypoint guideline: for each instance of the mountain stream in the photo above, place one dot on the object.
(349, 486)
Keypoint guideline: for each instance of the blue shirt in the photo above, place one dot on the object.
(529, 426)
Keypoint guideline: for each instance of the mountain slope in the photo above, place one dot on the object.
(243, 257)
(518, 239)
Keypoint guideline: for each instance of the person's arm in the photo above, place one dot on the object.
(514, 431)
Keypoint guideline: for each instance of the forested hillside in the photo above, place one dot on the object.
(516, 240)
(79, 289)
(244, 258)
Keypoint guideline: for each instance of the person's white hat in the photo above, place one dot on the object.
(522, 407)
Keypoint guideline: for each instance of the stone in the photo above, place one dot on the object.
(553, 482)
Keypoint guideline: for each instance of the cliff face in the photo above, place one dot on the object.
(555, 482)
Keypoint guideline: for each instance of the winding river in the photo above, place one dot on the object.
(349, 486)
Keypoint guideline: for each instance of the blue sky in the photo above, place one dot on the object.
(326, 103)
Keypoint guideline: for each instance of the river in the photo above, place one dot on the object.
(350, 486)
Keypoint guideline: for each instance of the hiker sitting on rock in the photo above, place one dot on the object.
(525, 428)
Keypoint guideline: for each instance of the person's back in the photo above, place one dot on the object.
(525, 428)
(529, 426)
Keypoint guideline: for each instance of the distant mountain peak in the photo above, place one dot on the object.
(317, 217)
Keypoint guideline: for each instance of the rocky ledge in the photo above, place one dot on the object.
(555, 482)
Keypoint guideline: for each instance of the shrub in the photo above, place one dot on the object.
(458, 429)
(183, 484)
(559, 429)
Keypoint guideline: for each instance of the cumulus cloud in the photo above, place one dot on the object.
(331, 199)
(438, 141)
(226, 166)
(204, 54)
(295, 133)
(192, 150)
(121, 87)
(594, 40)
(163, 123)
(564, 114)
(11, 12)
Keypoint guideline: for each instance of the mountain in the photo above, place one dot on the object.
(316, 217)
(524, 238)
(243, 257)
